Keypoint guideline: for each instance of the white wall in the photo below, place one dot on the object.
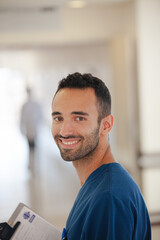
(148, 43)
(123, 59)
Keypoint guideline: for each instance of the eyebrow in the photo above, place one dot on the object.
(73, 113)
(79, 113)
(56, 113)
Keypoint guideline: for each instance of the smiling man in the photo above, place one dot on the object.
(109, 204)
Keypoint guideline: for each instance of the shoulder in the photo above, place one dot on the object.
(114, 179)
(115, 190)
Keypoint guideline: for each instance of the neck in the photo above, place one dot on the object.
(86, 166)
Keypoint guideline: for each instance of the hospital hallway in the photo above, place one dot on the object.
(41, 42)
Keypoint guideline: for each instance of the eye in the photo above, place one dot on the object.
(58, 119)
(80, 119)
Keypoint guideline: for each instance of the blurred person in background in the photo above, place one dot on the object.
(109, 205)
(31, 118)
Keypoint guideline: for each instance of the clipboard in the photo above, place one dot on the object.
(27, 225)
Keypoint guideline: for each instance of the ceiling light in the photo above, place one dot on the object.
(77, 4)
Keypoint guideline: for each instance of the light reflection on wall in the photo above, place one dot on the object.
(13, 145)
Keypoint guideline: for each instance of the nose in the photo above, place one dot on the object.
(66, 129)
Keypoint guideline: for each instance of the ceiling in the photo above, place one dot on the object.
(11, 4)
(53, 21)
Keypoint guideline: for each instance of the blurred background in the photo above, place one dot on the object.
(41, 42)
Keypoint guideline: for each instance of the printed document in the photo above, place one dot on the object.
(32, 226)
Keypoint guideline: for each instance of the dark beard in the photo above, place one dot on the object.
(92, 141)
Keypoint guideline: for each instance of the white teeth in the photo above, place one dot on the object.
(69, 143)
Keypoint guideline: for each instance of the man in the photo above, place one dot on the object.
(30, 120)
(109, 204)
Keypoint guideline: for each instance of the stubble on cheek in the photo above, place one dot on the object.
(86, 148)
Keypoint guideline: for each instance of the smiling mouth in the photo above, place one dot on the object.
(68, 143)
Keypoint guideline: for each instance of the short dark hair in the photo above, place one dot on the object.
(82, 81)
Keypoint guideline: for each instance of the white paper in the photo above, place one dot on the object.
(32, 227)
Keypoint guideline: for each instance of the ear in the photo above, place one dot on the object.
(107, 124)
